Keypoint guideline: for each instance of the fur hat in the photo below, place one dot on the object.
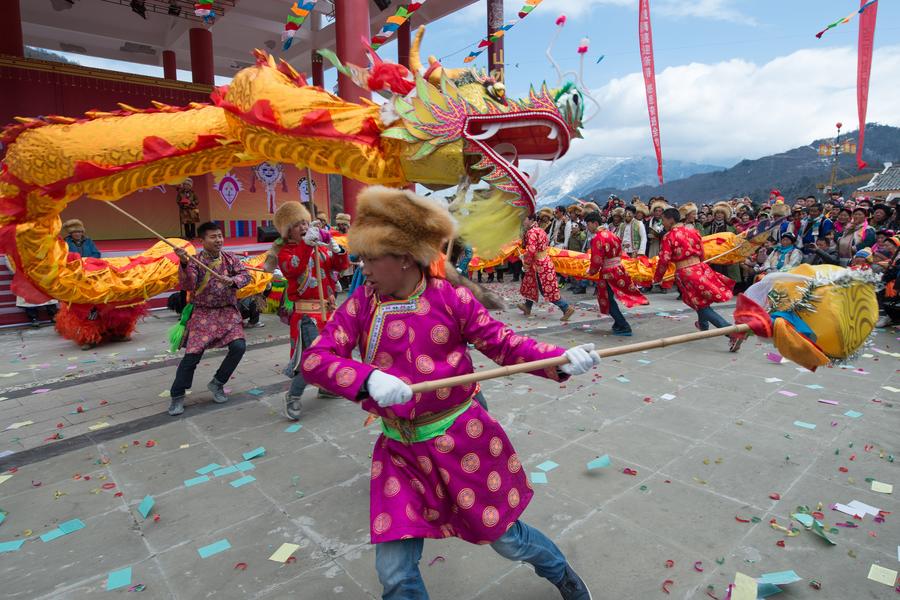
(342, 218)
(618, 212)
(659, 203)
(723, 207)
(70, 226)
(545, 212)
(395, 221)
(589, 207)
(289, 214)
(685, 209)
(640, 207)
(780, 209)
(575, 209)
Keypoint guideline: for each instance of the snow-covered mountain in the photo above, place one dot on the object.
(587, 173)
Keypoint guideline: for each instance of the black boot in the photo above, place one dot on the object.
(572, 587)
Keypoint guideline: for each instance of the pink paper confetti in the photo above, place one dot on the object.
(833, 402)
(787, 393)
(41, 391)
(775, 357)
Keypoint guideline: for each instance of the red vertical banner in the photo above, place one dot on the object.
(863, 71)
(645, 34)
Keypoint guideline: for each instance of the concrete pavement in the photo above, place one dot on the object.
(709, 435)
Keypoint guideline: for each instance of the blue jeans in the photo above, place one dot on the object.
(561, 304)
(397, 562)
(707, 316)
(308, 333)
(619, 322)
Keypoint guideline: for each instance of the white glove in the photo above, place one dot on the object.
(335, 247)
(387, 390)
(581, 360)
(278, 274)
(312, 236)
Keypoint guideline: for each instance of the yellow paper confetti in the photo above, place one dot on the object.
(284, 552)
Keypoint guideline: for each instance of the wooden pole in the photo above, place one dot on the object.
(319, 281)
(151, 230)
(558, 361)
(667, 278)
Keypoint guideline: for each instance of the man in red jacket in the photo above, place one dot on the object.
(303, 254)
(699, 285)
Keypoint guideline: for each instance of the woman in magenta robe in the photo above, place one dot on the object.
(443, 466)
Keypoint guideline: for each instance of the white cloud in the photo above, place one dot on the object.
(718, 10)
(476, 13)
(723, 112)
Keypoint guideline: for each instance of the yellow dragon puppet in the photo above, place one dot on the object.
(437, 126)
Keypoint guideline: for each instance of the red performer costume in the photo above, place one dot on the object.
(700, 286)
(614, 282)
(538, 274)
(295, 256)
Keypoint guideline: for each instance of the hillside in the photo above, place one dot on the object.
(795, 172)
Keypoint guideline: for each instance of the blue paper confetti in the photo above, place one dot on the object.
(225, 471)
(52, 535)
(547, 466)
(11, 546)
(254, 453)
(804, 425)
(118, 579)
(245, 466)
(256, 392)
(146, 505)
(71, 526)
(294, 428)
(853, 414)
(538, 477)
(215, 548)
(195, 481)
(599, 463)
(243, 481)
(208, 468)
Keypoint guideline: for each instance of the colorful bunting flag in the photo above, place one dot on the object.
(395, 22)
(295, 20)
(846, 19)
(204, 8)
(526, 9)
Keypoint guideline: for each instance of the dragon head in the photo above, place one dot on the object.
(463, 117)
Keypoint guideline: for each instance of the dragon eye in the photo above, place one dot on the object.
(497, 91)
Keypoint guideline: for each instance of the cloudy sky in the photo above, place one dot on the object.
(736, 78)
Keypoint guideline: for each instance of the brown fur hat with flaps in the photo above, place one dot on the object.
(289, 214)
(70, 226)
(723, 207)
(393, 221)
(780, 209)
(685, 209)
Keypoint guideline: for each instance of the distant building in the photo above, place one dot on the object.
(884, 185)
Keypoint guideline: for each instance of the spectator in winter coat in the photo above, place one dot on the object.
(78, 242)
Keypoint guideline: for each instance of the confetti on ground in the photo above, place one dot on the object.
(744, 587)
(215, 548)
(20, 424)
(804, 425)
(254, 453)
(208, 468)
(833, 402)
(547, 466)
(256, 392)
(4, 478)
(787, 393)
(11, 546)
(146, 505)
(599, 463)
(772, 380)
(881, 575)
(97, 426)
(538, 477)
(195, 481)
(774, 357)
(284, 552)
(8, 374)
(245, 466)
(882, 488)
(668, 397)
(118, 579)
(779, 578)
(63, 529)
(40, 391)
(853, 414)
(622, 379)
(225, 471)
(815, 386)
(890, 389)
(243, 481)
(293, 428)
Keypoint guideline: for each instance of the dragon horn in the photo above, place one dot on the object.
(415, 60)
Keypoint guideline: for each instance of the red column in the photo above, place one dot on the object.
(318, 70)
(494, 23)
(11, 41)
(170, 68)
(352, 23)
(403, 40)
(202, 67)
